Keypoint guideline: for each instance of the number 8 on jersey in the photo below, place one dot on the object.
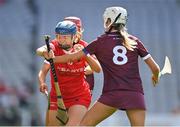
(120, 54)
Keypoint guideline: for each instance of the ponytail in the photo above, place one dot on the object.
(127, 42)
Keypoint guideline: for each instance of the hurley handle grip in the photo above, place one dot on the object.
(47, 38)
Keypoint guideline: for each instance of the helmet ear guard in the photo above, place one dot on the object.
(117, 15)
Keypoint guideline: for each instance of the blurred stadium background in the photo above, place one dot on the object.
(23, 24)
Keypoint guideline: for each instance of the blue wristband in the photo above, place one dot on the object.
(85, 51)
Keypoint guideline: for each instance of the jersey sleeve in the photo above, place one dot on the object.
(52, 45)
(92, 47)
(142, 51)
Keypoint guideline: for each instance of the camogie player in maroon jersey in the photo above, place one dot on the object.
(118, 52)
(71, 77)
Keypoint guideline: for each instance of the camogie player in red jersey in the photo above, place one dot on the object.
(118, 52)
(71, 76)
(78, 42)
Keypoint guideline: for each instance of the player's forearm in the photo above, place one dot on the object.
(156, 71)
(68, 57)
(94, 64)
(41, 77)
(153, 66)
(42, 73)
(61, 59)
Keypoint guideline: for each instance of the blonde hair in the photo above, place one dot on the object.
(78, 36)
(127, 42)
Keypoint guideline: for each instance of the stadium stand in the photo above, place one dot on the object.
(155, 22)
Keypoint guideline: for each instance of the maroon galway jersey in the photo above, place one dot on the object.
(120, 65)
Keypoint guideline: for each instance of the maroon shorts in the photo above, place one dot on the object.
(123, 100)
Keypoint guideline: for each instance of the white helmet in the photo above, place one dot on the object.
(112, 13)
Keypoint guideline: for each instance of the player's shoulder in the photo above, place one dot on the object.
(54, 42)
(101, 37)
(108, 35)
(132, 37)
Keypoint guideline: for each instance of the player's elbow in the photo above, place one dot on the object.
(98, 71)
(41, 50)
(38, 52)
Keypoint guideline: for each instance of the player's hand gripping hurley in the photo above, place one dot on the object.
(165, 70)
(61, 111)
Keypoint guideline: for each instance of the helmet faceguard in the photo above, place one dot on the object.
(112, 13)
